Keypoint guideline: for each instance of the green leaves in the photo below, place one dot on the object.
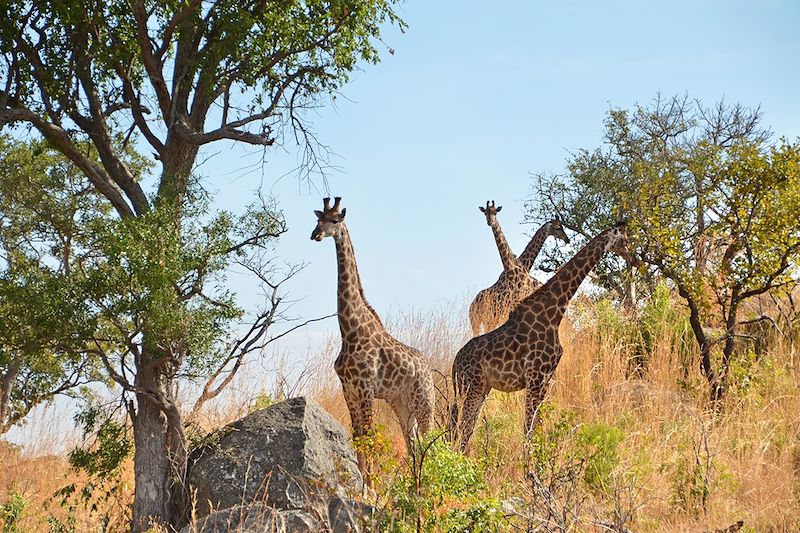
(712, 205)
(111, 447)
(44, 210)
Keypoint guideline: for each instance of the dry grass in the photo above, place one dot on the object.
(754, 447)
(752, 450)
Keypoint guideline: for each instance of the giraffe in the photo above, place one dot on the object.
(492, 305)
(372, 364)
(523, 352)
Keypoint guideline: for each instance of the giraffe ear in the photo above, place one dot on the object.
(344, 212)
(482, 209)
(319, 214)
(499, 207)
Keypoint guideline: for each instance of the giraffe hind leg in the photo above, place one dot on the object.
(424, 402)
(406, 419)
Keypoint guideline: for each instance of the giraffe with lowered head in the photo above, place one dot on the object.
(372, 364)
(523, 352)
(492, 305)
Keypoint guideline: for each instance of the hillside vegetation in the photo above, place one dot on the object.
(626, 440)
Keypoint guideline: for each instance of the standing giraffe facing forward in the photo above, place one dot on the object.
(372, 364)
(492, 305)
(523, 353)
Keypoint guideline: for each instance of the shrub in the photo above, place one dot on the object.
(560, 442)
(441, 490)
(11, 511)
(599, 444)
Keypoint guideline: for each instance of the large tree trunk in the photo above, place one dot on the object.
(151, 466)
(160, 446)
(719, 388)
(695, 321)
(629, 299)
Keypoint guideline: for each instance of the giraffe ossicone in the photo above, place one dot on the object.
(372, 364)
(523, 353)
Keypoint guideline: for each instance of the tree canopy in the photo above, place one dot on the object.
(98, 80)
(45, 209)
(712, 204)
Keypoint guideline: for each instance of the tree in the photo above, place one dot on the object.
(45, 318)
(111, 73)
(713, 206)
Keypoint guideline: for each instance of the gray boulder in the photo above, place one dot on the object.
(289, 467)
(252, 518)
(258, 518)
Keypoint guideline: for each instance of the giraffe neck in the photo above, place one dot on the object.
(350, 298)
(564, 284)
(506, 255)
(531, 252)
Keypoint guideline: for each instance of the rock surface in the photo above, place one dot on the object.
(289, 467)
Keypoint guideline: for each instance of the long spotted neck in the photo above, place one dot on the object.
(566, 281)
(531, 251)
(508, 258)
(350, 298)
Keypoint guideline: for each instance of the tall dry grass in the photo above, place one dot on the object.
(743, 463)
(750, 454)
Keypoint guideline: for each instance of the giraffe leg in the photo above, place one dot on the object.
(534, 395)
(408, 423)
(474, 396)
(360, 404)
(423, 403)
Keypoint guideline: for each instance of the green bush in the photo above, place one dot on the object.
(696, 475)
(560, 444)
(442, 490)
(599, 444)
(661, 318)
(547, 445)
(11, 510)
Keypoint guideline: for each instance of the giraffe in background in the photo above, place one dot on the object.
(523, 353)
(492, 305)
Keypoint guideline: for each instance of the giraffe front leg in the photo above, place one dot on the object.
(360, 404)
(534, 395)
(473, 401)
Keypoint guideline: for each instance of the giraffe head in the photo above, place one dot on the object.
(556, 229)
(490, 211)
(329, 220)
(618, 242)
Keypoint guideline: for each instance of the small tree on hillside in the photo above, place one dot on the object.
(712, 206)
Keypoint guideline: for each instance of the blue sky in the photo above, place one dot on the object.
(478, 96)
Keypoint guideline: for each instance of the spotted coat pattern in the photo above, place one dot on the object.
(523, 352)
(492, 305)
(372, 364)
